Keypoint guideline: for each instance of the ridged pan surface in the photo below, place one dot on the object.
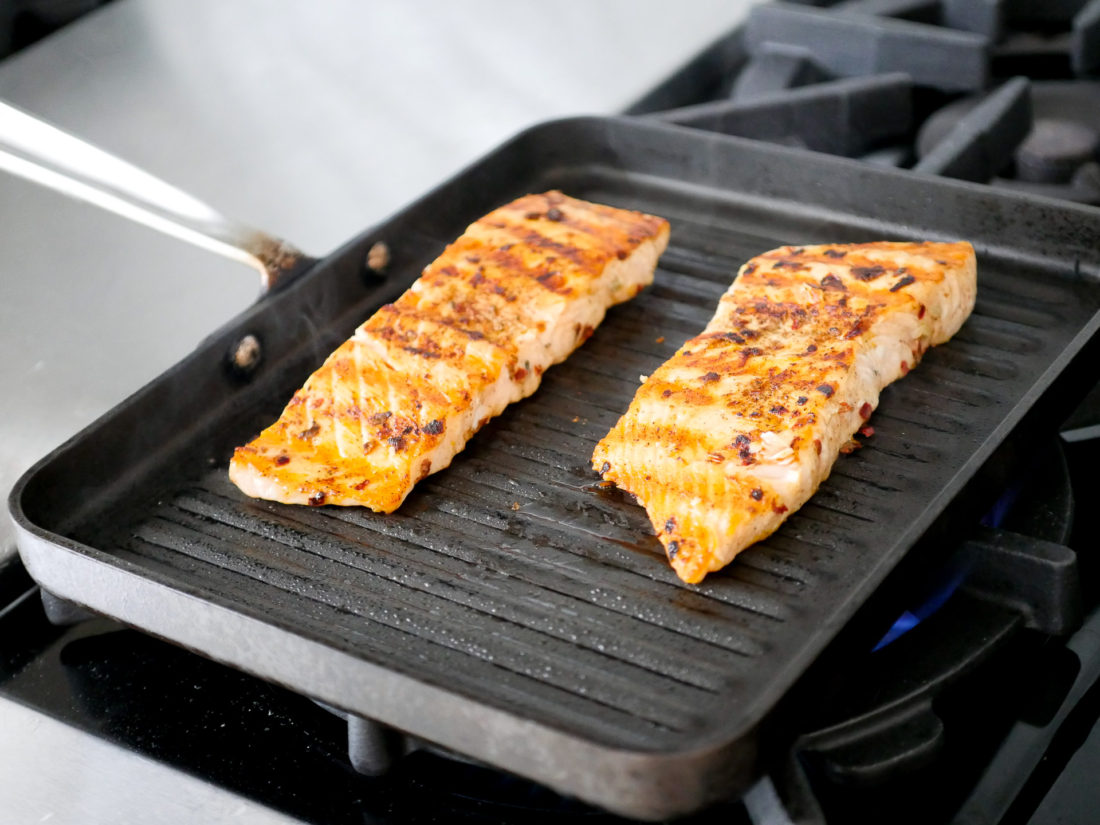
(511, 580)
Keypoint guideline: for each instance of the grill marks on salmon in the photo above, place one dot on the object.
(741, 425)
(517, 292)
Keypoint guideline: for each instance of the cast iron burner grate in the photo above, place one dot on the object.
(994, 92)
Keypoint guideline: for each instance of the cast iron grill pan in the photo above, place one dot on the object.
(511, 609)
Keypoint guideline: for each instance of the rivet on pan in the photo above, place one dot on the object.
(246, 354)
(378, 257)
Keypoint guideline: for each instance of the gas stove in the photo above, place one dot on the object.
(984, 688)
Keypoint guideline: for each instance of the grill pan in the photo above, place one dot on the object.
(511, 610)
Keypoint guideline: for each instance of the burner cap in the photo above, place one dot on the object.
(1054, 149)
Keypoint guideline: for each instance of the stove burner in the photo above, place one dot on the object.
(1055, 159)
(1055, 149)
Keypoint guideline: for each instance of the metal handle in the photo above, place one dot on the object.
(44, 154)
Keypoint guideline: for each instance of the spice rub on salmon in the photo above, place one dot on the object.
(521, 289)
(741, 425)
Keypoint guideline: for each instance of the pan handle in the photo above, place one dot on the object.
(37, 151)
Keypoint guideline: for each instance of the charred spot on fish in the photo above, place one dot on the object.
(868, 273)
(835, 253)
(757, 494)
(745, 454)
(311, 432)
(826, 390)
(779, 409)
(673, 549)
(817, 445)
(425, 469)
(748, 270)
(905, 281)
(380, 417)
(317, 499)
(920, 314)
(856, 330)
(533, 216)
(605, 467)
(811, 348)
(670, 525)
(666, 393)
(397, 442)
(742, 440)
(554, 214)
(434, 427)
(802, 399)
(794, 266)
(832, 283)
(282, 460)
(710, 377)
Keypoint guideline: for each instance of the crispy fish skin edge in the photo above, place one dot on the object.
(599, 272)
(937, 291)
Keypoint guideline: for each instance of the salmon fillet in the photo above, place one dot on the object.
(742, 424)
(521, 289)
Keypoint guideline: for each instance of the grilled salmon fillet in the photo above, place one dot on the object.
(521, 289)
(742, 424)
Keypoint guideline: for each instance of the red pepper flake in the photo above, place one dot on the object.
(826, 390)
(920, 314)
(833, 283)
(666, 393)
(905, 281)
(904, 367)
(850, 447)
(282, 460)
(867, 432)
(779, 508)
(757, 494)
(868, 273)
(866, 410)
(817, 445)
(519, 374)
(317, 499)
